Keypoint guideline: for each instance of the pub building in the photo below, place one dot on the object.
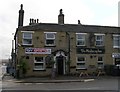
(66, 48)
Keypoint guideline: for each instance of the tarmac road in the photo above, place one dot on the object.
(59, 91)
(98, 85)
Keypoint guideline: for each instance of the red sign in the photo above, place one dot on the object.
(37, 51)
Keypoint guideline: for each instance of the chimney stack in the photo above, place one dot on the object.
(61, 17)
(21, 16)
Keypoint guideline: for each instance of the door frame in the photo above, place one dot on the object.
(61, 53)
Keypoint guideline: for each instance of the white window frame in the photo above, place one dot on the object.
(118, 44)
(47, 38)
(98, 62)
(100, 40)
(80, 62)
(35, 62)
(25, 38)
(82, 40)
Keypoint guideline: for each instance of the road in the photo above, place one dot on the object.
(99, 85)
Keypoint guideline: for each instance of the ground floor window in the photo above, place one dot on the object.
(100, 62)
(39, 63)
(80, 63)
(117, 61)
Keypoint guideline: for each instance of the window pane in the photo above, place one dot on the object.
(116, 41)
(80, 65)
(39, 65)
(100, 58)
(27, 35)
(99, 43)
(50, 35)
(99, 37)
(39, 59)
(100, 65)
(27, 38)
(27, 41)
(50, 42)
(81, 59)
(80, 42)
(80, 39)
(80, 36)
(99, 40)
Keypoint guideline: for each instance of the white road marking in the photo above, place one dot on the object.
(87, 80)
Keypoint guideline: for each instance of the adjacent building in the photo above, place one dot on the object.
(65, 47)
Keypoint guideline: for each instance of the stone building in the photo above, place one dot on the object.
(65, 47)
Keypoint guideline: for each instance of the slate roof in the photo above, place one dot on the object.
(69, 28)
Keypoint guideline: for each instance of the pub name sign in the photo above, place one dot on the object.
(90, 50)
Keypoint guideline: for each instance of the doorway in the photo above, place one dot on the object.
(60, 65)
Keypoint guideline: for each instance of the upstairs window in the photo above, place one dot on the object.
(27, 38)
(80, 39)
(99, 39)
(116, 41)
(50, 38)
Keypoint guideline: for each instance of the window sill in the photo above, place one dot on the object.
(50, 46)
(116, 47)
(99, 45)
(25, 45)
(48, 66)
(80, 62)
(72, 66)
(100, 61)
(81, 69)
(39, 70)
(81, 46)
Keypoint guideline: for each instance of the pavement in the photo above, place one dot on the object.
(58, 79)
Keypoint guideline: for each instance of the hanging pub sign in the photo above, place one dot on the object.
(116, 55)
(90, 50)
(37, 51)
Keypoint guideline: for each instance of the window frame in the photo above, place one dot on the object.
(80, 62)
(47, 38)
(83, 40)
(27, 38)
(101, 41)
(35, 62)
(118, 41)
(100, 62)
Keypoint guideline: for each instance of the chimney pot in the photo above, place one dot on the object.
(30, 21)
(37, 20)
(79, 22)
(61, 17)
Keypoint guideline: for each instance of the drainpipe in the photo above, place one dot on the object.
(68, 38)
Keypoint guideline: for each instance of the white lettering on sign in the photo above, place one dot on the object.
(37, 51)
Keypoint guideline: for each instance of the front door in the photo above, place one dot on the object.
(60, 65)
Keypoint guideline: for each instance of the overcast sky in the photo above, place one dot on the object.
(90, 12)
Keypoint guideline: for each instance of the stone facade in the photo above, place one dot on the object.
(72, 47)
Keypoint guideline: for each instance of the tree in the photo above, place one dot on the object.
(23, 66)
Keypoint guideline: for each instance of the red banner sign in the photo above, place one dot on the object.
(37, 51)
